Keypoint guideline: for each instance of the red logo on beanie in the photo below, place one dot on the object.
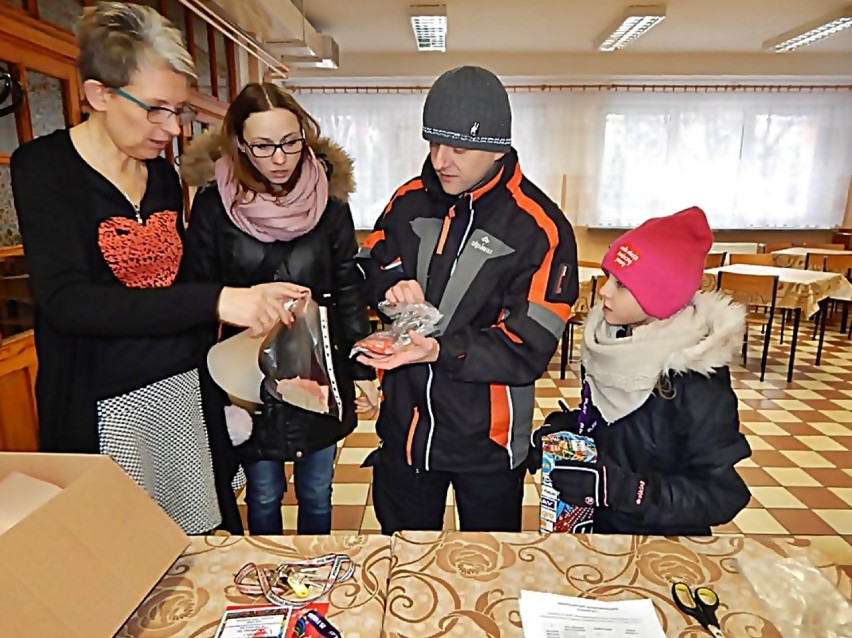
(626, 256)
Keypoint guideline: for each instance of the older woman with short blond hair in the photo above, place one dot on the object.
(117, 324)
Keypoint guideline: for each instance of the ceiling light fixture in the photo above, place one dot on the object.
(635, 22)
(811, 32)
(429, 23)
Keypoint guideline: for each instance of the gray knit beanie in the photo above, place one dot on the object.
(468, 107)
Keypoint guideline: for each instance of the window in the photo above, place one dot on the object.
(765, 161)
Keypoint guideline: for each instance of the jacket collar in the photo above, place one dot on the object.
(492, 187)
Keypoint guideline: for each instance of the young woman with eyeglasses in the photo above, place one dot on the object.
(118, 327)
(273, 205)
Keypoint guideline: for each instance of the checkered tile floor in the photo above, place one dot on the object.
(800, 473)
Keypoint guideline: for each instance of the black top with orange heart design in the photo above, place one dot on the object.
(114, 310)
(140, 255)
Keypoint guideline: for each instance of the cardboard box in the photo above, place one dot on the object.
(80, 564)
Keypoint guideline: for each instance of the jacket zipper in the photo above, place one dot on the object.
(445, 230)
(431, 371)
(415, 417)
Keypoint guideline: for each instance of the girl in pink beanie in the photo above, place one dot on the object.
(657, 396)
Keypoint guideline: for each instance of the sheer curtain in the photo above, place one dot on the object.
(382, 134)
(613, 159)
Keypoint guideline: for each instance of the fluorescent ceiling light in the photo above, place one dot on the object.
(429, 23)
(635, 22)
(811, 32)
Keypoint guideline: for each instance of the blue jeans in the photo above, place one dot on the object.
(267, 484)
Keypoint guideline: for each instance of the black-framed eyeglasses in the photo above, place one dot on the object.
(268, 149)
(161, 114)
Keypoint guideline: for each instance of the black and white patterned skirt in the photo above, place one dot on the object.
(157, 434)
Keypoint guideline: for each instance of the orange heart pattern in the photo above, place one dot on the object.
(142, 255)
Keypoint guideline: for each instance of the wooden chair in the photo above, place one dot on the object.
(761, 259)
(841, 264)
(823, 246)
(816, 260)
(714, 260)
(771, 248)
(843, 236)
(753, 291)
(575, 320)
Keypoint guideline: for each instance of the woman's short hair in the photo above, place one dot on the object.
(116, 38)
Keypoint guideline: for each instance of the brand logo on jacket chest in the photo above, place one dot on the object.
(482, 245)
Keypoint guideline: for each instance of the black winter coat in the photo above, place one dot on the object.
(324, 261)
(691, 443)
(684, 441)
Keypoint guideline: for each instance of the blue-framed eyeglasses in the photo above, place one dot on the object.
(160, 114)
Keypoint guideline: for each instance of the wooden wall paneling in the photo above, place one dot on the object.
(189, 18)
(31, 7)
(18, 415)
(23, 121)
(231, 61)
(214, 68)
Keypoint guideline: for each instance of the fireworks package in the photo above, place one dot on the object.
(296, 361)
(558, 516)
(422, 318)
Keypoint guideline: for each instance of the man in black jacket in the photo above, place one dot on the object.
(497, 257)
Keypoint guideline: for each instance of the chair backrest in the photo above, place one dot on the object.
(816, 260)
(714, 260)
(749, 290)
(761, 259)
(582, 263)
(771, 248)
(823, 246)
(838, 263)
(843, 236)
(595, 291)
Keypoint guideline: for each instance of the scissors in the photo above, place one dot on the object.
(701, 604)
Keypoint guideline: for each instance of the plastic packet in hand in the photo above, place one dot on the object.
(422, 318)
(297, 362)
(797, 597)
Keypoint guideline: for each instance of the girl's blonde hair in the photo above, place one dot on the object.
(115, 39)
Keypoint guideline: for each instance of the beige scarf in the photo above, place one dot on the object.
(623, 372)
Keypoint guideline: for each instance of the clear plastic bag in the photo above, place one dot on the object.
(422, 318)
(297, 362)
(797, 598)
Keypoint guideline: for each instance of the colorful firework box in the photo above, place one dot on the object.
(558, 517)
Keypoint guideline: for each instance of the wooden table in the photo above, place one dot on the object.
(798, 256)
(190, 599)
(736, 247)
(467, 584)
(798, 290)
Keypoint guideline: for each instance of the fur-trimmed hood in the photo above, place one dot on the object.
(623, 372)
(196, 163)
(725, 322)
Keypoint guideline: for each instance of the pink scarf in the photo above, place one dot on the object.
(268, 218)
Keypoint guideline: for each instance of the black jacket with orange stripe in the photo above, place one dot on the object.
(500, 263)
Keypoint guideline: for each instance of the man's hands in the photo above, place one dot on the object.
(420, 350)
(405, 292)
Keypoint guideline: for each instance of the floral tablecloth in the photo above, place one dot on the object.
(467, 584)
(797, 256)
(190, 599)
(802, 289)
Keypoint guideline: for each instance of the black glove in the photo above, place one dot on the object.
(563, 421)
(600, 484)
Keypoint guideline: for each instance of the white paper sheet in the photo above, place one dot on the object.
(546, 615)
